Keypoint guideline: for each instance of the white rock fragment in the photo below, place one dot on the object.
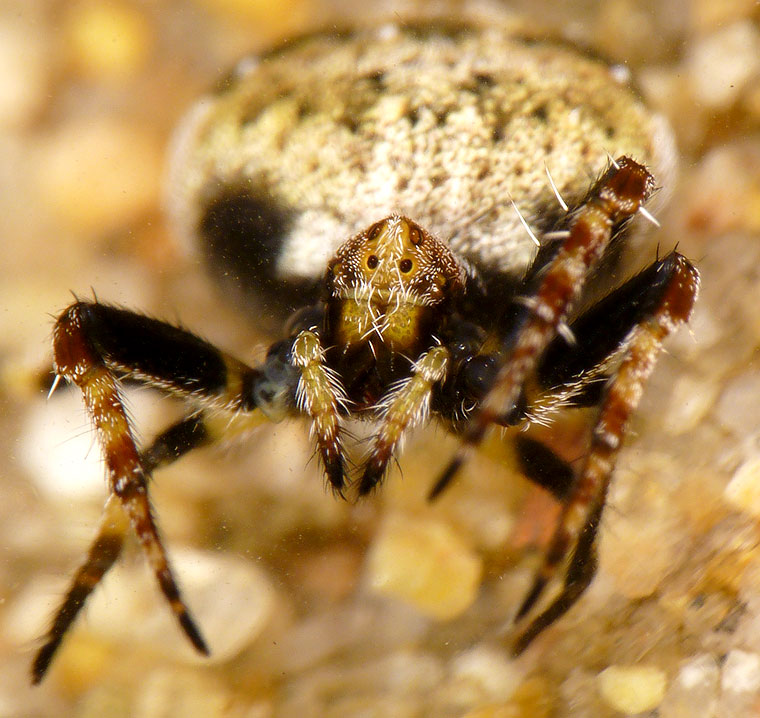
(231, 599)
(60, 449)
(743, 491)
(737, 407)
(721, 64)
(741, 673)
(694, 692)
(24, 72)
(487, 672)
(424, 562)
(740, 685)
(181, 693)
(632, 689)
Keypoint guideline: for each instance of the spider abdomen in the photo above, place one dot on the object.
(443, 123)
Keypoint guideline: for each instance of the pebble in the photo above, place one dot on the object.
(743, 491)
(692, 399)
(741, 673)
(231, 599)
(59, 447)
(738, 408)
(641, 534)
(181, 693)
(98, 174)
(694, 691)
(721, 64)
(740, 685)
(533, 698)
(424, 562)
(24, 73)
(632, 689)
(107, 41)
(486, 673)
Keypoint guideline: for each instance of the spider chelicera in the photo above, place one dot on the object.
(405, 329)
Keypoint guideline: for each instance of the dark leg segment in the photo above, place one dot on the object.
(600, 331)
(132, 345)
(187, 434)
(580, 516)
(543, 467)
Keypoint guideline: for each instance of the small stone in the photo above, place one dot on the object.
(534, 698)
(741, 672)
(640, 540)
(743, 491)
(24, 73)
(632, 689)
(721, 64)
(424, 562)
(59, 446)
(740, 686)
(694, 692)
(231, 599)
(692, 398)
(97, 175)
(107, 40)
(488, 672)
(173, 693)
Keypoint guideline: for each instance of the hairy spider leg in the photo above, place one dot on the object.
(104, 551)
(615, 198)
(675, 283)
(404, 407)
(93, 342)
(321, 396)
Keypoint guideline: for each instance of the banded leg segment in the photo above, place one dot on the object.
(173, 443)
(78, 359)
(102, 555)
(579, 520)
(321, 396)
(405, 407)
(616, 197)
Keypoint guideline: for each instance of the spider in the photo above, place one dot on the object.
(381, 186)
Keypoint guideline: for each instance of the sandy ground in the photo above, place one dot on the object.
(283, 578)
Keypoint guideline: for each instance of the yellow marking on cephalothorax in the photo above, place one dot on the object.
(387, 278)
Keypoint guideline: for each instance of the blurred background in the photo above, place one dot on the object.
(314, 607)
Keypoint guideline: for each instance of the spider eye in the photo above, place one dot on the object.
(415, 236)
(405, 265)
(372, 261)
(374, 230)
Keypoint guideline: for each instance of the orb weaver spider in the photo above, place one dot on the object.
(453, 304)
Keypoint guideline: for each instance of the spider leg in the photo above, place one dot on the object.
(676, 287)
(615, 198)
(104, 551)
(320, 395)
(403, 408)
(92, 343)
(543, 467)
(188, 433)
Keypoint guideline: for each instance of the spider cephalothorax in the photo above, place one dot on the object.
(445, 308)
(390, 284)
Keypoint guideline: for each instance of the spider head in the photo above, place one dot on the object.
(388, 281)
